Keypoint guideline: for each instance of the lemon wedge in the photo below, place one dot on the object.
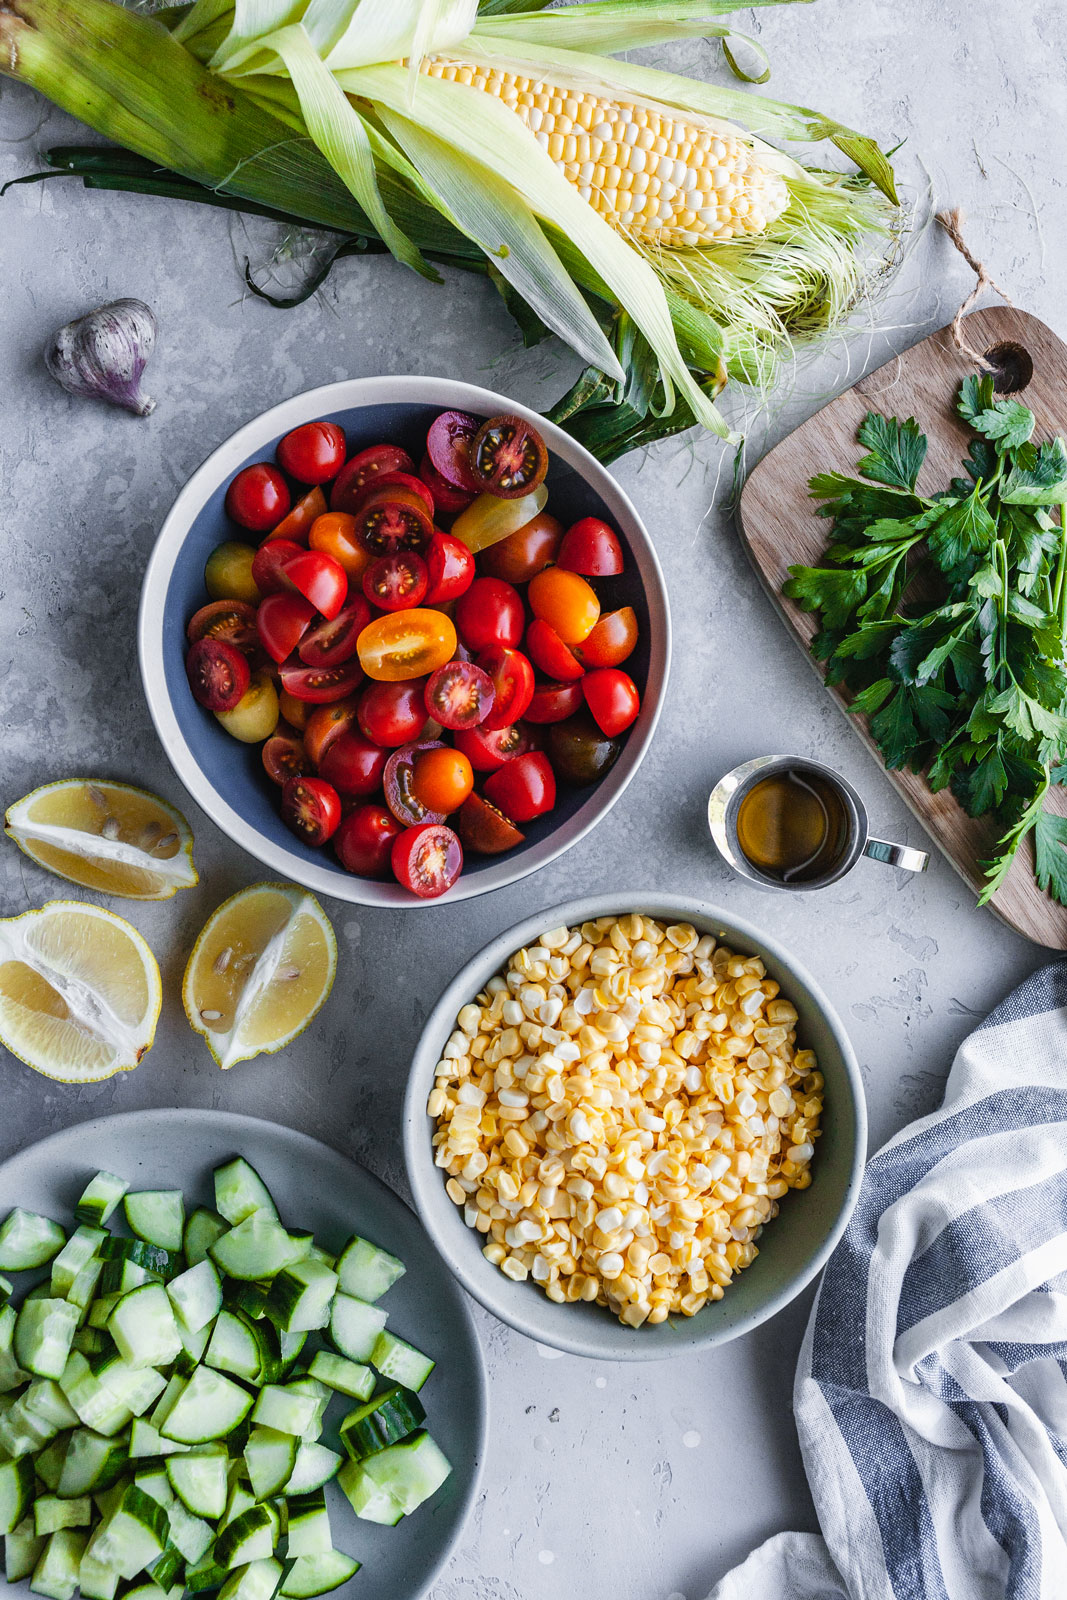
(106, 836)
(79, 992)
(259, 971)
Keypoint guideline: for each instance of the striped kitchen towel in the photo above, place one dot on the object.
(931, 1394)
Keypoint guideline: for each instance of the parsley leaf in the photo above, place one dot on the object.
(1050, 857)
(963, 531)
(1039, 476)
(834, 592)
(896, 449)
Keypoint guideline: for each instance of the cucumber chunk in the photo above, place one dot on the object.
(16, 1492)
(56, 1573)
(202, 1228)
(209, 1407)
(28, 1240)
(146, 1440)
(46, 1400)
(11, 1374)
(318, 1574)
(396, 1359)
(270, 1457)
(196, 1296)
(96, 1581)
(199, 1478)
(44, 1335)
(49, 1463)
(235, 1347)
(121, 1276)
(50, 1513)
(143, 1327)
(368, 1499)
(22, 1551)
(79, 1249)
(347, 1377)
(355, 1326)
(239, 1191)
(366, 1271)
(300, 1296)
(383, 1421)
(411, 1471)
(249, 1537)
(97, 1406)
(285, 1410)
(99, 1198)
(204, 1576)
(161, 1263)
(309, 1526)
(258, 1580)
(256, 1248)
(133, 1535)
(315, 1466)
(157, 1216)
(92, 1462)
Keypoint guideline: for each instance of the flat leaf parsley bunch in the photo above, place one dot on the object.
(946, 616)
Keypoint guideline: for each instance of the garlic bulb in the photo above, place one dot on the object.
(102, 355)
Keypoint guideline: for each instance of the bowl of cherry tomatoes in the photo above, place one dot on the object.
(403, 639)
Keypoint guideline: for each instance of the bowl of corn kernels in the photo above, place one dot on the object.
(634, 1127)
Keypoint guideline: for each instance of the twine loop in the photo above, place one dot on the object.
(952, 222)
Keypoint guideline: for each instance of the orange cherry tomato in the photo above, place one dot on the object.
(566, 602)
(325, 723)
(406, 644)
(298, 523)
(334, 533)
(611, 641)
(442, 779)
(522, 555)
(296, 712)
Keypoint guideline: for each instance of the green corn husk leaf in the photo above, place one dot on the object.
(612, 26)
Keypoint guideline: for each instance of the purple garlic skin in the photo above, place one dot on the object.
(102, 355)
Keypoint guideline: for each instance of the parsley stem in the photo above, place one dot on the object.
(1059, 599)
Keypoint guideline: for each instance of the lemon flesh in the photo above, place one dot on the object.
(259, 971)
(106, 836)
(80, 992)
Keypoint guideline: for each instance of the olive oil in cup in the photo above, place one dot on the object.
(789, 823)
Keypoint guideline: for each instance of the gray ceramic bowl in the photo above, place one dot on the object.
(794, 1247)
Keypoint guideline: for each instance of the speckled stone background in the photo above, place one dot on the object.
(647, 1483)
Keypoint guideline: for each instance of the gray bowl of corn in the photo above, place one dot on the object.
(634, 1126)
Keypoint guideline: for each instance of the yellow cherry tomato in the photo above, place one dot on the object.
(228, 573)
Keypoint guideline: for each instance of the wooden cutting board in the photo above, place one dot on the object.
(779, 528)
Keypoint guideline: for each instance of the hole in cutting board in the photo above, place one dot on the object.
(1011, 365)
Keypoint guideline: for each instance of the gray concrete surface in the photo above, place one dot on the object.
(645, 1484)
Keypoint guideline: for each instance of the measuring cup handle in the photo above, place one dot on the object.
(896, 855)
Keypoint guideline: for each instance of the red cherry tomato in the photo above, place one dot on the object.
(396, 582)
(354, 765)
(357, 473)
(612, 698)
(258, 497)
(513, 684)
(446, 496)
(525, 553)
(489, 613)
(393, 519)
(321, 684)
(320, 579)
(442, 779)
(313, 453)
(427, 859)
(508, 457)
(393, 714)
(398, 784)
(566, 602)
(448, 447)
(364, 841)
(297, 525)
(549, 654)
(524, 788)
(281, 622)
(611, 641)
(323, 725)
(231, 620)
(553, 701)
(218, 674)
(268, 563)
(485, 830)
(459, 695)
(330, 643)
(396, 480)
(488, 751)
(592, 548)
(451, 568)
(284, 756)
(311, 808)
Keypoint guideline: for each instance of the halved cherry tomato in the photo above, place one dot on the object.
(354, 765)
(284, 756)
(549, 654)
(488, 751)
(218, 674)
(335, 535)
(395, 480)
(427, 859)
(448, 447)
(612, 640)
(484, 829)
(396, 582)
(281, 622)
(311, 808)
(400, 796)
(459, 695)
(255, 716)
(446, 496)
(566, 602)
(513, 684)
(258, 497)
(320, 579)
(591, 547)
(355, 474)
(325, 724)
(228, 572)
(508, 457)
(393, 519)
(364, 841)
(552, 702)
(321, 684)
(579, 751)
(442, 779)
(406, 644)
(524, 788)
(297, 525)
(451, 568)
(489, 613)
(269, 560)
(393, 714)
(231, 620)
(296, 712)
(314, 452)
(330, 643)
(525, 553)
(612, 698)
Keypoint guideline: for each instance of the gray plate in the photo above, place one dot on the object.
(318, 1189)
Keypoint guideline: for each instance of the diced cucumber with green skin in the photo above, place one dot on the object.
(256, 1248)
(196, 1296)
(153, 1257)
(84, 1287)
(300, 1296)
(91, 1341)
(155, 1483)
(249, 1537)
(192, 1351)
(191, 1536)
(146, 1440)
(101, 1309)
(163, 1572)
(157, 1216)
(120, 1276)
(250, 1299)
(137, 1387)
(206, 1576)
(365, 1271)
(383, 1421)
(105, 1355)
(199, 1479)
(92, 1463)
(411, 1471)
(49, 1463)
(318, 1574)
(202, 1228)
(22, 1433)
(108, 1501)
(45, 1399)
(100, 1198)
(143, 1327)
(315, 1466)
(270, 1457)
(22, 1551)
(50, 1513)
(28, 1240)
(16, 1492)
(347, 1377)
(133, 1535)
(165, 1404)
(309, 1526)
(239, 1500)
(396, 1359)
(11, 1374)
(56, 1573)
(355, 1326)
(281, 1408)
(209, 1407)
(239, 1191)
(321, 1395)
(368, 1499)
(290, 1346)
(96, 1581)
(6, 1290)
(80, 1248)
(44, 1335)
(258, 1580)
(235, 1347)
